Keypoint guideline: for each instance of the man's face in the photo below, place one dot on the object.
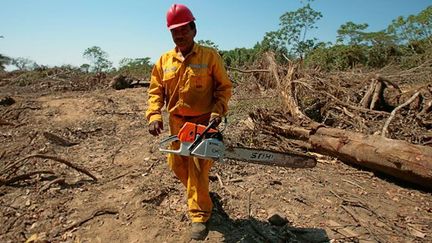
(183, 36)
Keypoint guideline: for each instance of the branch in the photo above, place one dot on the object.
(392, 114)
(341, 103)
(48, 185)
(249, 71)
(23, 177)
(98, 212)
(58, 140)
(43, 156)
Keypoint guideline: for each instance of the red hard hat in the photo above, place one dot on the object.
(178, 15)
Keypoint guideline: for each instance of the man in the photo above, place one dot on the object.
(193, 84)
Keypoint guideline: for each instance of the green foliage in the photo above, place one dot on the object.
(337, 57)
(354, 34)
(413, 28)
(290, 38)
(208, 43)
(239, 57)
(379, 55)
(98, 58)
(406, 41)
(423, 53)
(137, 67)
(351, 33)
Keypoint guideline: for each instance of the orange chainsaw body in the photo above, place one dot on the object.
(190, 130)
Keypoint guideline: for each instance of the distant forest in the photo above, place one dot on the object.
(406, 42)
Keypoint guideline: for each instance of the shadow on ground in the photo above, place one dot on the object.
(254, 230)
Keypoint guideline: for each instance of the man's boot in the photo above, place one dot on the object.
(198, 231)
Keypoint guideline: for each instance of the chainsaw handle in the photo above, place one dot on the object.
(199, 137)
(164, 141)
(169, 139)
(183, 150)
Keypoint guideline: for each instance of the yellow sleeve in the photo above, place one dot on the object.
(155, 94)
(223, 87)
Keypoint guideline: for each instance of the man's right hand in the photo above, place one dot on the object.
(155, 128)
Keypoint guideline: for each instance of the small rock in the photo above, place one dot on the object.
(276, 218)
(34, 225)
(7, 101)
(275, 182)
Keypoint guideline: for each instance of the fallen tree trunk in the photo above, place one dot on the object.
(400, 159)
(397, 158)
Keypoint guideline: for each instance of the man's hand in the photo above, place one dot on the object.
(216, 119)
(155, 128)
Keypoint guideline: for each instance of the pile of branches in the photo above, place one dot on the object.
(390, 102)
(53, 79)
(372, 119)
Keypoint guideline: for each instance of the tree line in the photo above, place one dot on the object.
(406, 41)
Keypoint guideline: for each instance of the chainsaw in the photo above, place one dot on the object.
(206, 142)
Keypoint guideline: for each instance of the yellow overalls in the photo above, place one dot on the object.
(193, 88)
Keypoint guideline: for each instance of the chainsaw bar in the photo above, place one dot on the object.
(268, 157)
(206, 143)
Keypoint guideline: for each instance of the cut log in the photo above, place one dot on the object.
(365, 101)
(403, 160)
(377, 95)
(397, 158)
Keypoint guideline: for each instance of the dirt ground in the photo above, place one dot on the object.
(137, 199)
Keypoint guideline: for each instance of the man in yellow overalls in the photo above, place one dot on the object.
(193, 84)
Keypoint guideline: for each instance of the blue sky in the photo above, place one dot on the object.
(56, 32)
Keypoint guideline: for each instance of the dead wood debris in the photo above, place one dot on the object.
(6, 123)
(392, 114)
(49, 184)
(360, 102)
(23, 177)
(14, 166)
(97, 212)
(58, 140)
(336, 119)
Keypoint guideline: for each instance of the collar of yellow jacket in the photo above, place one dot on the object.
(176, 52)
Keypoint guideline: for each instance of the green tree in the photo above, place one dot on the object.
(98, 58)
(294, 28)
(413, 28)
(208, 43)
(351, 33)
(337, 57)
(424, 20)
(378, 38)
(139, 67)
(239, 57)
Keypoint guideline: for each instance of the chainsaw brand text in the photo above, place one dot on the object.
(262, 156)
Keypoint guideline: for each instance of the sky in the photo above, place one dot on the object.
(57, 32)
